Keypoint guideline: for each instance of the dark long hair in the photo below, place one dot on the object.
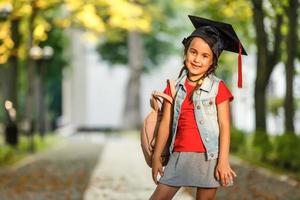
(210, 41)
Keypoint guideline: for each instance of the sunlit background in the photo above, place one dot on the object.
(83, 70)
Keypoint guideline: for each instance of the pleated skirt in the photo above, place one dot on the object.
(190, 169)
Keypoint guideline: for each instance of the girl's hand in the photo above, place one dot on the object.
(156, 167)
(224, 173)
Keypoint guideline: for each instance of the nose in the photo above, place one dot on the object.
(197, 59)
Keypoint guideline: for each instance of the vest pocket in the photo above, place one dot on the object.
(209, 106)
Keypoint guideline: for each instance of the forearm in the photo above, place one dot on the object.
(224, 127)
(163, 130)
(224, 144)
(162, 138)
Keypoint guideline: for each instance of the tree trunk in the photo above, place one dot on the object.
(41, 94)
(289, 65)
(10, 77)
(132, 110)
(29, 102)
(266, 61)
(261, 64)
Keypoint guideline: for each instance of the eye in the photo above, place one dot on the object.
(193, 52)
(205, 56)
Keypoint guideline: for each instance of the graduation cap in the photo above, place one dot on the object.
(226, 38)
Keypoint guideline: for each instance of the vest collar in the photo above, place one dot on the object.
(206, 85)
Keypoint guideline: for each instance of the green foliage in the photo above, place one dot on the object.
(238, 13)
(297, 103)
(158, 43)
(274, 104)
(280, 153)
(2, 110)
(262, 145)
(114, 50)
(287, 148)
(9, 155)
(53, 76)
(237, 140)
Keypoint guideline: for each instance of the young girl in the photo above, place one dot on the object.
(199, 118)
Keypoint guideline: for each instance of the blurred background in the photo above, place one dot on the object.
(88, 67)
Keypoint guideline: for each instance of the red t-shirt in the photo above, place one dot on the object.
(188, 138)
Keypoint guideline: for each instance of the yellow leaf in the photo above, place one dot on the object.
(89, 18)
(3, 58)
(8, 43)
(128, 16)
(63, 23)
(73, 5)
(228, 11)
(43, 4)
(90, 37)
(2, 49)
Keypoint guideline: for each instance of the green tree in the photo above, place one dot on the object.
(235, 12)
(38, 17)
(141, 50)
(268, 55)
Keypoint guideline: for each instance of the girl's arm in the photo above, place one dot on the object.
(223, 170)
(161, 140)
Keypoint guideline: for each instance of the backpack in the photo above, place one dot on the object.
(151, 123)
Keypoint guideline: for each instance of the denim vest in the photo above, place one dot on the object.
(205, 112)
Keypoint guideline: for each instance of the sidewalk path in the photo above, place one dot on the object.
(112, 167)
(122, 173)
(60, 173)
(259, 184)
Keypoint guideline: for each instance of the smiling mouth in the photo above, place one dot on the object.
(196, 66)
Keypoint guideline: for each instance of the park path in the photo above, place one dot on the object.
(109, 167)
(122, 173)
(59, 173)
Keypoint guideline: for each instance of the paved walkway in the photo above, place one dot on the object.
(60, 173)
(98, 167)
(122, 173)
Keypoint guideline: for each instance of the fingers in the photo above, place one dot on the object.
(233, 173)
(217, 174)
(161, 172)
(155, 172)
(226, 179)
(154, 175)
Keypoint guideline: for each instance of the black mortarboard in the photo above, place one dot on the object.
(226, 38)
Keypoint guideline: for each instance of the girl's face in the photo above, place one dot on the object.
(199, 58)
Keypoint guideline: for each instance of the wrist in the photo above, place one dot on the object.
(156, 156)
(223, 161)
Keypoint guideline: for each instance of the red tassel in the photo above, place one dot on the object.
(240, 78)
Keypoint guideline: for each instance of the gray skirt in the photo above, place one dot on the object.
(190, 169)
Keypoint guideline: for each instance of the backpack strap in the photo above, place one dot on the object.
(157, 94)
(172, 87)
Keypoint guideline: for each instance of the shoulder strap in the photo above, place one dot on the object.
(172, 87)
(157, 94)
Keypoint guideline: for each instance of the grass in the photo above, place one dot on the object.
(268, 166)
(252, 155)
(10, 155)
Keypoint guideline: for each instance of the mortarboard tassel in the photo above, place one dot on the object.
(240, 78)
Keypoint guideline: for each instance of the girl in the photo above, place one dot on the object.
(199, 118)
